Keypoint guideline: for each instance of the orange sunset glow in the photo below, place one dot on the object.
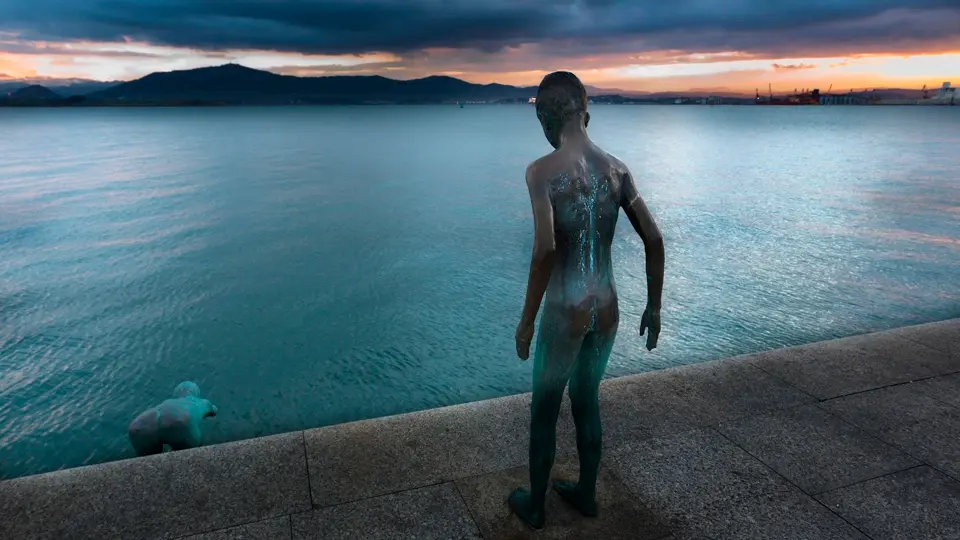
(665, 72)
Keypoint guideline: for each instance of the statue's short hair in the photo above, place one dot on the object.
(186, 388)
(560, 97)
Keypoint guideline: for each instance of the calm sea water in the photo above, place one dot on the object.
(310, 266)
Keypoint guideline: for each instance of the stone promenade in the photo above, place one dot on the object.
(857, 438)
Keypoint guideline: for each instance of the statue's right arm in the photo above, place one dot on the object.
(642, 221)
(544, 245)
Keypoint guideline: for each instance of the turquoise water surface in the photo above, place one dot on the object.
(310, 266)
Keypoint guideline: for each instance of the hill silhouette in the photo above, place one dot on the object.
(34, 92)
(63, 87)
(236, 84)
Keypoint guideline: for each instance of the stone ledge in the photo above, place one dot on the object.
(162, 496)
(219, 487)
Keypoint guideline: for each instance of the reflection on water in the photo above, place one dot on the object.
(308, 266)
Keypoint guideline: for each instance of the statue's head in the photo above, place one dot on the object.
(186, 388)
(561, 98)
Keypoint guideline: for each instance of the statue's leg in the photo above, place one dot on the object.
(554, 358)
(584, 399)
(146, 444)
(144, 434)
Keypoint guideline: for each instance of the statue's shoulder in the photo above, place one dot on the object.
(543, 168)
(606, 158)
(182, 403)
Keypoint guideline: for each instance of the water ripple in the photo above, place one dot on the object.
(266, 255)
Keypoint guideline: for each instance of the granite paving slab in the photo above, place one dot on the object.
(785, 515)
(945, 388)
(912, 420)
(270, 529)
(839, 367)
(814, 449)
(935, 440)
(429, 513)
(917, 504)
(942, 335)
(645, 406)
(732, 388)
(201, 490)
(885, 409)
(675, 476)
(365, 459)
(620, 515)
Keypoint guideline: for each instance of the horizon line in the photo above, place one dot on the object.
(32, 81)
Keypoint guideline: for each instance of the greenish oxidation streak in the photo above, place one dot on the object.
(584, 229)
(174, 423)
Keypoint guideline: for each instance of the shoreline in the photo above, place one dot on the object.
(305, 480)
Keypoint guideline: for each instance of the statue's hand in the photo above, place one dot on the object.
(524, 337)
(651, 322)
(211, 410)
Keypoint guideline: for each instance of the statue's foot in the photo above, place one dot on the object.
(571, 493)
(522, 506)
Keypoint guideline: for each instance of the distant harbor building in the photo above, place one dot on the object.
(532, 101)
(946, 95)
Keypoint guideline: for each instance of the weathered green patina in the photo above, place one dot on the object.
(174, 423)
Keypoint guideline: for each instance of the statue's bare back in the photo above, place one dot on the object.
(584, 185)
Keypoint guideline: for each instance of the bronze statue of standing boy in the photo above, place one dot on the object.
(577, 192)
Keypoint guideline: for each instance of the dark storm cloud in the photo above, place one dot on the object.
(53, 48)
(403, 26)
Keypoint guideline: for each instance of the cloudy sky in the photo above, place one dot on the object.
(628, 44)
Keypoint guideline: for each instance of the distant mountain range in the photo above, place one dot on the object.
(233, 84)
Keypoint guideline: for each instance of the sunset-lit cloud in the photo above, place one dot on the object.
(782, 67)
(631, 45)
